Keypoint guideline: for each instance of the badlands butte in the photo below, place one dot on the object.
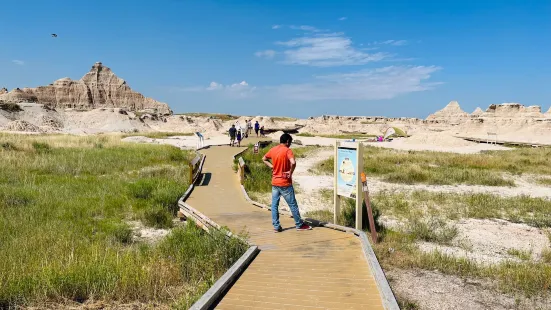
(101, 102)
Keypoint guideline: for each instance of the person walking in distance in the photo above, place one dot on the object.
(283, 165)
(250, 127)
(256, 127)
(239, 137)
(232, 133)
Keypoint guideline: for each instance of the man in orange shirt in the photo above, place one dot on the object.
(283, 165)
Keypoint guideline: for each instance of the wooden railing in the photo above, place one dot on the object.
(241, 169)
(194, 168)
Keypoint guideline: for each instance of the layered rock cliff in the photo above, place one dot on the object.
(452, 113)
(99, 88)
(513, 110)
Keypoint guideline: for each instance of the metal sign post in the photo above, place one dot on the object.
(347, 182)
(200, 140)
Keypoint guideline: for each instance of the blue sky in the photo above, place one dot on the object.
(294, 58)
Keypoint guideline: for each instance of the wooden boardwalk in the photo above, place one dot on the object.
(317, 269)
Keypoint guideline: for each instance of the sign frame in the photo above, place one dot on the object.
(200, 140)
(358, 168)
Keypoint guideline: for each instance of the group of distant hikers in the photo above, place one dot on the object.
(237, 133)
(282, 162)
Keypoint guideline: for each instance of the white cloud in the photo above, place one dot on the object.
(369, 84)
(305, 28)
(392, 42)
(242, 89)
(325, 50)
(343, 18)
(372, 84)
(276, 26)
(18, 62)
(214, 86)
(268, 54)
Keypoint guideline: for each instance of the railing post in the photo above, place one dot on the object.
(241, 165)
(191, 173)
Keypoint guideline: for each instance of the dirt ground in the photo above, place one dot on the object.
(432, 290)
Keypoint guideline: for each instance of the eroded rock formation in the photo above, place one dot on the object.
(477, 112)
(513, 110)
(99, 88)
(451, 114)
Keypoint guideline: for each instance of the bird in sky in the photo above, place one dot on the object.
(54, 35)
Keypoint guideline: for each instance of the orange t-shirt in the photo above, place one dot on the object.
(280, 156)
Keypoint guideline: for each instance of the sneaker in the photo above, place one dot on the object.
(304, 227)
(279, 229)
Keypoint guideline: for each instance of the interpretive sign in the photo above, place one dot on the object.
(348, 166)
(347, 172)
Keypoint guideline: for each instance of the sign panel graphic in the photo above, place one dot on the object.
(347, 172)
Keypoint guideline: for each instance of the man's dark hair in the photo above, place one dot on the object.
(285, 138)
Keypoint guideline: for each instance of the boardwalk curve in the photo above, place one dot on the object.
(318, 269)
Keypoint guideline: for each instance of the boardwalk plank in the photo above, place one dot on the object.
(318, 269)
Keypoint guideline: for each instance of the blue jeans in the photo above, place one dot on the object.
(288, 193)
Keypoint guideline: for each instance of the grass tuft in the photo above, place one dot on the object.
(431, 230)
(10, 107)
(41, 147)
(158, 217)
(522, 255)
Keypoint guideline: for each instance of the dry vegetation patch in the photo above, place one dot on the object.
(66, 208)
(438, 168)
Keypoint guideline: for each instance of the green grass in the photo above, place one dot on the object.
(521, 254)
(397, 249)
(258, 177)
(65, 207)
(159, 135)
(546, 256)
(399, 132)
(438, 168)
(338, 136)
(528, 278)
(222, 117)
(519, 209)
(544, 181)
(434, 230)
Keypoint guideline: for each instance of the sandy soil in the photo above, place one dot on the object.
(436, 142)
(147, 234)
(461, 148)
(432, 290)
(183, 142)
(524, 186)
(487, 241)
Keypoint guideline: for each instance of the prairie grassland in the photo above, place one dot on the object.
(65, 204)
(519, 209)
(338, 136)
(397, 248)
(440, 168)
(159, 134)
